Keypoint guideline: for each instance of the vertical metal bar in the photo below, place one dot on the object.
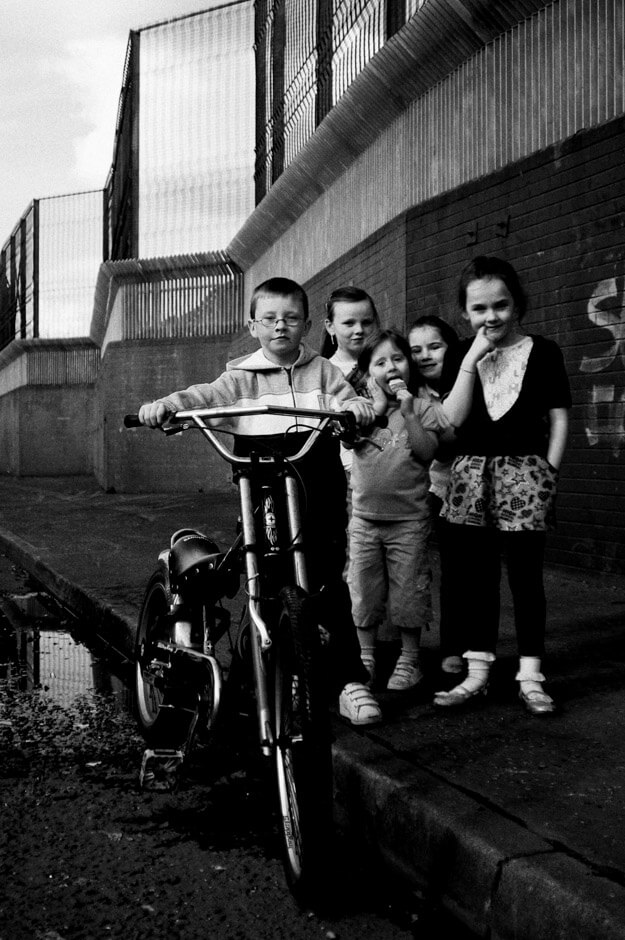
(35, 268)
(133, 172)
(325, 52)
(295, 532)
(22, 280)
(277, 60)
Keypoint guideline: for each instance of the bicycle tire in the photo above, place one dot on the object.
(303, 755)
(167, 710)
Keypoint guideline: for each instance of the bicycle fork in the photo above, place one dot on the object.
(259, 634)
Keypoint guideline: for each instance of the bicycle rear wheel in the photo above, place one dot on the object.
(167, 706)
(303, 748)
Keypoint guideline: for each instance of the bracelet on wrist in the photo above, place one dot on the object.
(469, 371)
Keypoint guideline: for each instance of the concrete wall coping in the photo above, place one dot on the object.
(22, 347)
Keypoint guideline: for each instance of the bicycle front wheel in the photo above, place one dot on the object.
(303, 747)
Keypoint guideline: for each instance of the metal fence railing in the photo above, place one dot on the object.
(307, 56)
(168, 298)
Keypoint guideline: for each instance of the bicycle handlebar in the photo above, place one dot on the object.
(233, 411)
(182, 420)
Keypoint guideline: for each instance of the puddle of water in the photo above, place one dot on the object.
(61, 699)
(41, 652)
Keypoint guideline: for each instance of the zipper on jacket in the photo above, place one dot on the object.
(289, 378)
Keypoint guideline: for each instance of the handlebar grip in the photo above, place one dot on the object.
(132, 421)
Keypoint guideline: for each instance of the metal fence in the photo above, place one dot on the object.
(49, 266)
(167, 298)
(307, 56)
(182, 174)
(19, 314)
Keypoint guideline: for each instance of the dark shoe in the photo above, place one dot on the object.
(537, 703)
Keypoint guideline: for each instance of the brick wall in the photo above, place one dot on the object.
(377, 265)
(559, 217)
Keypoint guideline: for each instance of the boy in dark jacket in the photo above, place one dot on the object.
(284, 371)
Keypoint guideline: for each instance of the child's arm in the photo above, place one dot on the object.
(558, 433)
(154, 414)
(457, 404)
(423, 443)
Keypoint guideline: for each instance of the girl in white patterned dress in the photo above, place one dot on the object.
(510, 409)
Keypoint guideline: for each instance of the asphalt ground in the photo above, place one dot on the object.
(515, 824)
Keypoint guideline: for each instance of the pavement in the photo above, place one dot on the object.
(514, 824)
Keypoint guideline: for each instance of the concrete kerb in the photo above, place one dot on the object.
(117, 627)
(489, 871)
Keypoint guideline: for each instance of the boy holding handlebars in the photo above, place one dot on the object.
(284, 371)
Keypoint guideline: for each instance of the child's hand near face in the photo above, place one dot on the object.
(480, 346)
(378, 396)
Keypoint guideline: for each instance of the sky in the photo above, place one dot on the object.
(61, 69)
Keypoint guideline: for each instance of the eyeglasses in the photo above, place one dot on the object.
(270, 322)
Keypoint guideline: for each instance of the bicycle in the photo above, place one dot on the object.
(278, 647)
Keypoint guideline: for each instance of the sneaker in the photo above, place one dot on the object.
(406, 674)
(357, 704)
(452, 664)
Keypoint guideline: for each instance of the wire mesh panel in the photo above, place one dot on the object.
(121, 185)
(70, 254)
(358, 33)
(196, 131)
(18, 290)
(300, 61)
(307, 56)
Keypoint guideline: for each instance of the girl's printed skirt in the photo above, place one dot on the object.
(514, 494)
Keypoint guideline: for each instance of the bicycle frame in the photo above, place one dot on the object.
(245, 468)
(174, 687)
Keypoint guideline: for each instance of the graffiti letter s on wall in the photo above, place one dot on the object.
(605, 410)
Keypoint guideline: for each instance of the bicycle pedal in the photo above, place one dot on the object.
(324, 636)
(160, 769)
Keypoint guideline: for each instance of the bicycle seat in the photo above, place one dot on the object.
(192, 553)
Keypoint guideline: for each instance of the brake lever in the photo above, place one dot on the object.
(353, 434)
(170, 429)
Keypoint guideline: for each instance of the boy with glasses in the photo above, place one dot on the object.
(284, 371)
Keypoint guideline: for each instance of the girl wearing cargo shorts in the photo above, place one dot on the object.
(390, 523)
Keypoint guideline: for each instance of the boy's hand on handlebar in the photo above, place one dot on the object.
(363, 412)
(154, 414)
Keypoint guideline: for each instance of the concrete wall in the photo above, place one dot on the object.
(133, 372)
(47, 407)
(46, 431)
